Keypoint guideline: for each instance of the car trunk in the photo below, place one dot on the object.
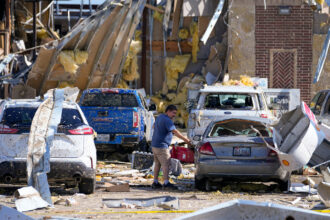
(251, 148)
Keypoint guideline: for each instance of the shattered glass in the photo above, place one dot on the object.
(236, 127)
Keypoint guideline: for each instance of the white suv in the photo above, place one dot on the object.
(72, 155)
(215, 102)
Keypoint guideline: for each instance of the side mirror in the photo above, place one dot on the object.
(197, 138)
(152, 107)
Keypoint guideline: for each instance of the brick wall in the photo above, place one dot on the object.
(291, 32)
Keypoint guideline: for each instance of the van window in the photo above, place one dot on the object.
(23, 116)
(228, 101)
(109, 100)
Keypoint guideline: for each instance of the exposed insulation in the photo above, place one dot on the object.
(80, 57)
(173, 67)
(244, 81)
(159, 16)
(42, 34)
(195, 41)
(122, 85)
(183, 34)
(130, 69)
(172, 84)
(161, 104)
(138, 34)
(65, 84)
(66, 58)
(171, 96)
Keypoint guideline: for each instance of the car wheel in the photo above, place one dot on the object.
(285, 185)
(87, 186)
(200, 183)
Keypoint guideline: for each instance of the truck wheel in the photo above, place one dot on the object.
(200, 184)
(87, 186)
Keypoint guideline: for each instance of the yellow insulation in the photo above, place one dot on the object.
(159, 16)
(80, 57)
(122, 85)
(65, 84)
(161, 104)
(174, 66)
(195, 41)
(171, 96)
(130, 69)
(183, 34)
(66, 58)
(42, 34)
(244, 81)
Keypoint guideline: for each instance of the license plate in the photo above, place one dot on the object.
(103, 137)
(242, 151)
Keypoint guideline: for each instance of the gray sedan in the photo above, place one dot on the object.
(231, 150)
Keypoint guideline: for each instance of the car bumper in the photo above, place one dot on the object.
(263, 170)
(126, 139)
(59, 171)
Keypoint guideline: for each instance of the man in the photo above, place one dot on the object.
(163, 132)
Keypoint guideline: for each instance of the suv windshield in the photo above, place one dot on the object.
(229, 101)
(235, 127)
(22, 116)
(109, 100)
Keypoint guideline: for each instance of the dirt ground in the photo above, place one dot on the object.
(91, 206)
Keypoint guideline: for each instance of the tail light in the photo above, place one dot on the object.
(264, 116)
(206, 149)
(272, 153)
(92, 166)
(81, 130)
(135, 119)
(4, 129)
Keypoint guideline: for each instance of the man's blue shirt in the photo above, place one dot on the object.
(163, 128)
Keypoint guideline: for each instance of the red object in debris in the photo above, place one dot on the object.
(184, 154)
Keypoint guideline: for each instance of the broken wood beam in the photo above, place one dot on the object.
(171, 46)
(155, 8)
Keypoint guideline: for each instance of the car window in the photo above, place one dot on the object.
(327, 107)
(228, 101)
(317, 102)
(23, 116)
(240, 127)
(109, 100)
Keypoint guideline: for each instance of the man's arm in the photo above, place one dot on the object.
(179, 135)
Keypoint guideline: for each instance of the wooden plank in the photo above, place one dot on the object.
(171, 46)
(106, 42)
(117, 50)
(176, 18)
(155, 8)
(136, 21)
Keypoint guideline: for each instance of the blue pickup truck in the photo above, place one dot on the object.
(119, 116)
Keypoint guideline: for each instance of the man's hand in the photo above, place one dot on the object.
(179, 135)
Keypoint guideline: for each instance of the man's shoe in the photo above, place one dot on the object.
(156, 185)
(169, 186)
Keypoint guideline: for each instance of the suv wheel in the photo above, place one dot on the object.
(200, 183)
(87, 186)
